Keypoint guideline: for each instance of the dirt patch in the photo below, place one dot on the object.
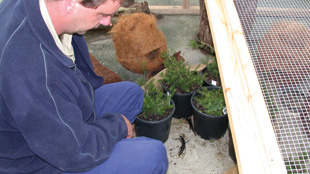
(200, 156)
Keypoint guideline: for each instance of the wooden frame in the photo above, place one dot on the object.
(175, 9)
(254, 140)
(184, 9)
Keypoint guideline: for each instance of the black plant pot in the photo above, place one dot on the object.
(205, 83)
(208, 126)
(183, 107)
(231, 148)
(159, 130)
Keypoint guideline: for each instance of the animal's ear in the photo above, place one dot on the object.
(70, 5)
(177, 54)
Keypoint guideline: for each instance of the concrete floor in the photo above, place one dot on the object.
(202, 156)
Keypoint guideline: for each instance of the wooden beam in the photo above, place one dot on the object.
(194, 10)
(255, 143)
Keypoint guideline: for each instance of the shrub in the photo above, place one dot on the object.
(155, 101)
(210, 101)
(213, 69)
(179, 77)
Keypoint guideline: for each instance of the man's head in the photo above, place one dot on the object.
(78, 16)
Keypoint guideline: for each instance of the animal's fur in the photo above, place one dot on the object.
(108, 75)
(139, 43)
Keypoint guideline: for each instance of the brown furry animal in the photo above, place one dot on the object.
(139, 43)
(108, 75)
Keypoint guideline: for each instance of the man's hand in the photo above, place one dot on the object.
(129, 135)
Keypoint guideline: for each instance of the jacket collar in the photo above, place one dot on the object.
(39, 28)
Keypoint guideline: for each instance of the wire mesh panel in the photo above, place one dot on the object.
(278, 36)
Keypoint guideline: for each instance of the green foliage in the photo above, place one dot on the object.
(213, 69)
(179, 76)
(270, 92)
(142, 79)
(297, 164)
(201, 45)
(193, 44)
(155, 101)
(211, 101)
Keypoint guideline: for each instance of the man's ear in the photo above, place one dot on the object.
(70, 5)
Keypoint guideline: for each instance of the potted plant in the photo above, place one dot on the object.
(155, 119)
(212, 75)
(181, 82)
(231, 147)
(210, 119)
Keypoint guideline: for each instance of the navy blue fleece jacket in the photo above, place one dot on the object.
(47, 122)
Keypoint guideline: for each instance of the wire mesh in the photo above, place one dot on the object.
(278, 36)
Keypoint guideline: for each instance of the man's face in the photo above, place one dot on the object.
(88, 18)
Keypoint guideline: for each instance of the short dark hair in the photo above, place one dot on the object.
(96, 3)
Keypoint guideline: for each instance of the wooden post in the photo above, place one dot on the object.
(204, 33)
(186, 4)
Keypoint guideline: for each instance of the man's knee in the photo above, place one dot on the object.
(139, 155)
(135, 89)
(159, 150)
(157, 157)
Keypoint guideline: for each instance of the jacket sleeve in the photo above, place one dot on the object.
(54, 129)
(50, 111)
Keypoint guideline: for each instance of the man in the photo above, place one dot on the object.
(56, 116)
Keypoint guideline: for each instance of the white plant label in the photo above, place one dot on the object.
(224, 111)
(213, 82)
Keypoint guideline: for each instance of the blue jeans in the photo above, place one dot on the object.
(139, 155)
